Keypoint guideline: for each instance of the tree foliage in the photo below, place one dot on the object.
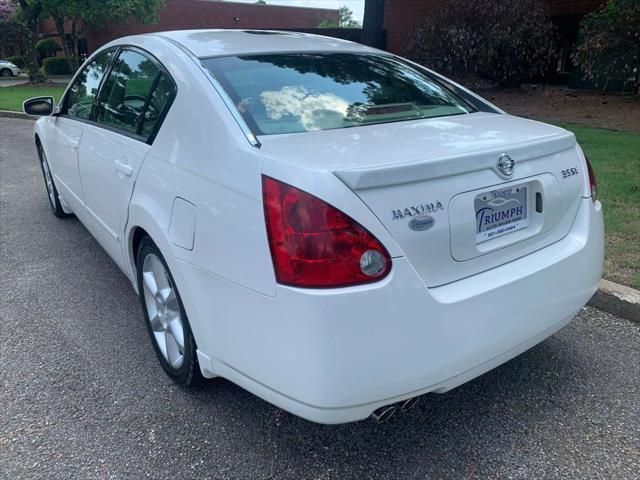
(506, 42)
(47, 47)
(610, 47)
(28, 14)
(11, 31)
(345, 20)
(70, 16)
(6, 10)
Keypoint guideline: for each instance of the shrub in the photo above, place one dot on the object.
(56, 66)
(18, 61)
(506, 42)
(610, 47)
(47, 47)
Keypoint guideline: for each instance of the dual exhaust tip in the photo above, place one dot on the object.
(383, 414)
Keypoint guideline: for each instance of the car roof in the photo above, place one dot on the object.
(210, 43)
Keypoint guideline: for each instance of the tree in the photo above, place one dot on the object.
(77, 13)
(610, 47)
(47, 47)
(260, 2)
(345, 20)
(373, 24)
(6, 10)
(11, 31)
(506, 42)
(29, 15)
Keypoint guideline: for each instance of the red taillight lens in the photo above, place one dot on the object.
(314, 245)
(592, 181)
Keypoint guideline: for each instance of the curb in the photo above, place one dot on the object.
(617, 299)
(12, 114)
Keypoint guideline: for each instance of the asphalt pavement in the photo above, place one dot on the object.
(83, 396)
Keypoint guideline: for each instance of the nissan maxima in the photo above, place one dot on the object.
(334, 228)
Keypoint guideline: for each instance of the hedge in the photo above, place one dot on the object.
(56, 66)
(18, 61)
(47, 47)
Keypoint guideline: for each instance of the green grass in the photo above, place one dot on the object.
(615, 157)
(11, 98)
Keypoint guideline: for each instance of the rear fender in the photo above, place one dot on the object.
(150, 217)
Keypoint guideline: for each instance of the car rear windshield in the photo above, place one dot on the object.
(302, 92)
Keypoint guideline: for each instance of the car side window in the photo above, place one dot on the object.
(84, 89)
(159, 99)
(131, 97)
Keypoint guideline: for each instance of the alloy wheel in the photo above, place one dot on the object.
(163, 310)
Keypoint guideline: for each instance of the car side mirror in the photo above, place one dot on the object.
(39, 106)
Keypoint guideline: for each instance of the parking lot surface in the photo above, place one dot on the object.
(83, 396)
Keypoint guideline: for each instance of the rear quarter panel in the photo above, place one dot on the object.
(201, 155)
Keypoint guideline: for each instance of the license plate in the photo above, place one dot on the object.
(499, 212)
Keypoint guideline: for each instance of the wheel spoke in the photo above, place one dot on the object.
(175, 327)
(160, 274)
(173, 352)
(171, 301)
(161, 340)
(149, 280)
(165, 294)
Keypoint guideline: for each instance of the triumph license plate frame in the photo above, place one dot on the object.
(501, 211)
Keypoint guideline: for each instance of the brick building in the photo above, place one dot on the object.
(188, 14)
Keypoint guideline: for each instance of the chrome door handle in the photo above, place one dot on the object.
(123, 168)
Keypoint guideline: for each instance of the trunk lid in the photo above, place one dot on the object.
(437, 188)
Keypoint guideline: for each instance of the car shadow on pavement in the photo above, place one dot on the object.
(500, 411)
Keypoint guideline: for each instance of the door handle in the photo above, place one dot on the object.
(123, 168)
(73, 144)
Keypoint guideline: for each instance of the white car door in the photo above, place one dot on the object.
(132, 102)
(64, 131)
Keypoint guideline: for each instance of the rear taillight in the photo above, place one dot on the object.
(592, 181)
(314, 245)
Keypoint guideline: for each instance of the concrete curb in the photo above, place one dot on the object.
(12, 114)
(617, 299)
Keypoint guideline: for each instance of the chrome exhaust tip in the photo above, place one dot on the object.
(383, 414)
(409, 404)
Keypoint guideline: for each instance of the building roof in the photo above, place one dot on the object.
(209, 43)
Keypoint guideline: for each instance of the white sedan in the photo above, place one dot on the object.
(332, 227)
(8, 69)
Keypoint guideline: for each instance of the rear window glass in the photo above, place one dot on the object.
(301, 92)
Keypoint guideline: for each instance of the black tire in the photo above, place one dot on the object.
(188, 373)
(52, 195)
(5, 72)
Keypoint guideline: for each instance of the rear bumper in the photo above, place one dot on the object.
(334, 356)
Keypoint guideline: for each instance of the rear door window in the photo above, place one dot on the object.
(160, 98)
(135, 95)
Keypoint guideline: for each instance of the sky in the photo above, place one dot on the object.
(356, 5)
